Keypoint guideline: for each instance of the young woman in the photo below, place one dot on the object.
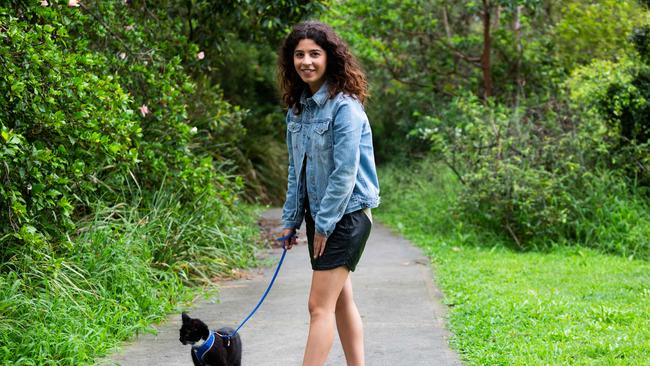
(332, 179)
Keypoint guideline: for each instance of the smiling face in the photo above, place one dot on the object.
(310, 61)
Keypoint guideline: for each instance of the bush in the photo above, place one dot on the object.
(612, 217)
(83, 116)
(619, 93)
(67, 129)
(535, 174)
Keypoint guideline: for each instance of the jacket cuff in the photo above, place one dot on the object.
(325, 233)
(291, 225)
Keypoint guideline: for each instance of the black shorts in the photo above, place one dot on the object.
(345, 246)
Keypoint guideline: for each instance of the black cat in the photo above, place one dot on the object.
(208, 348)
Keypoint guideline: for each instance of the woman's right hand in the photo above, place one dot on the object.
(289, 243)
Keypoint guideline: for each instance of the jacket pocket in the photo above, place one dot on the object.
(294, 126)
(294, 131)
(322, 126)
(322, 137)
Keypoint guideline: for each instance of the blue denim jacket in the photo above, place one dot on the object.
(333, 140)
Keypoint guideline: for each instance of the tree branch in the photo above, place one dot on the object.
(395, 75)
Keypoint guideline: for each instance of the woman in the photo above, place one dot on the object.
(332, 179)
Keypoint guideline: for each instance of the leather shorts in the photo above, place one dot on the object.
(346, 244)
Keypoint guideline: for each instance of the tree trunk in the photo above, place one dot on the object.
(549, 9)
(445, 20)
(518, 75)
(487, 46)
(189, 20)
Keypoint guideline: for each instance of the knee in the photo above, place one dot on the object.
(317, 309)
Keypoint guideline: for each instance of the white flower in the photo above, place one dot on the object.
(193, 130)
(144, 110)
(73, 3)
(200, 55)
(44, 3)
(122, 55)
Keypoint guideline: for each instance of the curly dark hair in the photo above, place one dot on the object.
(343, 72)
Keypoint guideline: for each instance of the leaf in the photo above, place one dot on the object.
(14, 140)
(53, 193)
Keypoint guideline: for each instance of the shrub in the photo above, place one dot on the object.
(125, 271)
(90, 110)
(619, 93)
(540, 174)
(68, 130)
(612, 217)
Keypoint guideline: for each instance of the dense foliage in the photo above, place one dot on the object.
(82, 121)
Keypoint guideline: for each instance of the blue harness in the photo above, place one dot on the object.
(200, 351)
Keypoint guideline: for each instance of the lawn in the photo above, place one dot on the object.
(566, 305)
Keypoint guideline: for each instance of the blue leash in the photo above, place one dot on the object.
(268, 289)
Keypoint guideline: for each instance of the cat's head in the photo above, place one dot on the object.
(193, 330)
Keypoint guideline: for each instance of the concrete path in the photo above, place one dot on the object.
(401, 310)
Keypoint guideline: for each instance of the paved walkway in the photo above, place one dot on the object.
(401, 310)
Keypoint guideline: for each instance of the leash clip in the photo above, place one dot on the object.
(225, 337)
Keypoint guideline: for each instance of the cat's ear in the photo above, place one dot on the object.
(186, 318)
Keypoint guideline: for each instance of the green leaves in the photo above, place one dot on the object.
(523, 172)
(71, 132)
(563, 305)
(619, 94)
(596, 30)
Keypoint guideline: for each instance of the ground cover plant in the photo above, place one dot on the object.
(565, 305)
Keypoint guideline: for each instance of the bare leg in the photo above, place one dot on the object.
(326, 287)
(350, 327)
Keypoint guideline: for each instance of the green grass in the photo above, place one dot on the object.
(567, 305)
(128, 268)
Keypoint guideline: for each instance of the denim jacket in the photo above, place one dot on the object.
(332, 139)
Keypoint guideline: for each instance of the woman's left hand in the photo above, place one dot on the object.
(319, 244)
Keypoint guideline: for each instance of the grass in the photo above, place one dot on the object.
(567, 305)
(128, 268)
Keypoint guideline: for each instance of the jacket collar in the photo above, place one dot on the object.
(320, 97)
(200, 351)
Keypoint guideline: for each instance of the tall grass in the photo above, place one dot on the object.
(126, 269)
(613, 217)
